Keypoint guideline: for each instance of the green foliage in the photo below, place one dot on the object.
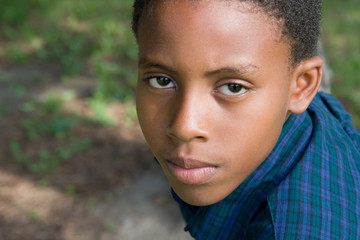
(48, 122)
(90, 205)
(71, 190)
(72, 35)
(100, 109)
(3, 110)
(15, 54)
(43, 183)
(48, 119)
(17, 153)
(17, 90)
(57, 127)
(131, 115)
(14, 11)
(111, 82)
(45, 160)
(69, 49)
(110, 227)
(341, 35)
(35, 215)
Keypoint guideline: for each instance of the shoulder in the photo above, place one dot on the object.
(320, 198)
(327, 111)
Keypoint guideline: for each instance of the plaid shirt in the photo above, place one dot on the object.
(307, 188)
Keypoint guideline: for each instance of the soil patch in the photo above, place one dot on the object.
(109, 188)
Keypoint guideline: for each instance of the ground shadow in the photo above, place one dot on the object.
(105, 191)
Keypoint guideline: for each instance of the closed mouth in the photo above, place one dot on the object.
(190, 171)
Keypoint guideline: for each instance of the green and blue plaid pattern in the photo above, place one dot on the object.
(307, 188)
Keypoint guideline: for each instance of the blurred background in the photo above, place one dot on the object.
(73, 162)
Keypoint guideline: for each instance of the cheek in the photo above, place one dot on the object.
(151, 119)
(253, 130)
(145, 116)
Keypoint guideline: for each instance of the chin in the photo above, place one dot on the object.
(198, 197)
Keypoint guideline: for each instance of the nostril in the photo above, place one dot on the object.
(200, 138)
(187, 135)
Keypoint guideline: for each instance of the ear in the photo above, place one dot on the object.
(305, 84)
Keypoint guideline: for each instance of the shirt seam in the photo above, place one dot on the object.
(271, 210)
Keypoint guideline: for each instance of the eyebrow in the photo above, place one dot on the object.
(144, 63)
(242, 70)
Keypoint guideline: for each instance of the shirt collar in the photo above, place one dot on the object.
(231, 216)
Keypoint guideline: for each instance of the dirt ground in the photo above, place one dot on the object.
(111, 191)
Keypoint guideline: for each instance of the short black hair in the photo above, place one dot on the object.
(300, 22)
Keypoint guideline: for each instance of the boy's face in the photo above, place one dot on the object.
(213, 93)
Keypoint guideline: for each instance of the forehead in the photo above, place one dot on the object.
(215, 31)
(241, 5)
(167, 11)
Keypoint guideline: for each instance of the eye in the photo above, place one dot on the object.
(161, 82)
(233, 89)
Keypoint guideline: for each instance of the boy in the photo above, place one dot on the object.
(227, 100)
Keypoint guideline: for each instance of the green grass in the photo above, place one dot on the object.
(74, 35)
(51, 131)
(47, 160)
(78, 36)
(341, 36)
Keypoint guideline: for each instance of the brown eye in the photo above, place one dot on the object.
(161, 82)
(233, 89)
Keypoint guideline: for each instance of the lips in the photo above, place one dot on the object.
(190, 171)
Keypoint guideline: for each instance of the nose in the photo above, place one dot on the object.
(189, 120)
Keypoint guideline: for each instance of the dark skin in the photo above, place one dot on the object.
(214, 90)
